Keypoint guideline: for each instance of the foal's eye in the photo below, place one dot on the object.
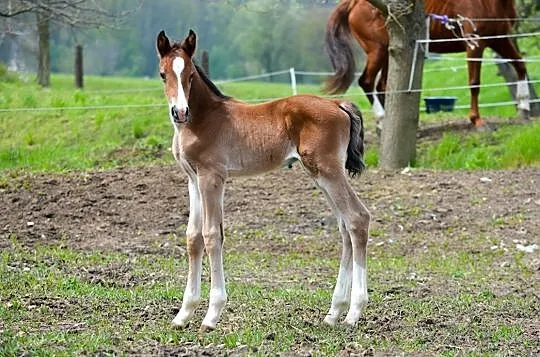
(162, 75)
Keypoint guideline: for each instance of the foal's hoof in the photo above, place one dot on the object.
(179, 325)
(180, 322)
(328, 320)
(349, 323)
(352, 318)
(207, 328)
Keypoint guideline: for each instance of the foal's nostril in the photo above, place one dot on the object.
(187, 112)
(174, 112)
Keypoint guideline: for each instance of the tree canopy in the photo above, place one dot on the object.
(243, 37)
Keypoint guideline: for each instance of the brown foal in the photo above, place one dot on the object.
(216, 136)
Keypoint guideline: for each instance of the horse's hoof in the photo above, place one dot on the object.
(524, 115)
(485, 128)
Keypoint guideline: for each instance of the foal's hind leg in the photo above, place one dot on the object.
(355, 217)
(342, 292)
(195, 249)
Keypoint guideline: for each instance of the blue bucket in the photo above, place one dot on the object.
(437, 104)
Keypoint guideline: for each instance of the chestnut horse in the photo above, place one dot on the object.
(216, 136)
(367, 25)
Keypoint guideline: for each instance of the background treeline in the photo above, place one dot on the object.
(242, 37)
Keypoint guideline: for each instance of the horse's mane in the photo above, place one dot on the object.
(210, 84)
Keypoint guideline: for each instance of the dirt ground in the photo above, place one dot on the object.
(143, 210)
(132, 209)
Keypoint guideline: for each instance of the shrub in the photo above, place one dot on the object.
(6, 75)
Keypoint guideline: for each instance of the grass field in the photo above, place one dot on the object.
(118, 130)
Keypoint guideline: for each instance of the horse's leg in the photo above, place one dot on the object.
(506, 49)
(475, 67)
(342, 292)
(212, 188)
(374, 63)
(195, 249)
(355, 216)
(381, 84)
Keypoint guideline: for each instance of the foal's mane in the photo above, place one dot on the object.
(178, 46)
(210, 84)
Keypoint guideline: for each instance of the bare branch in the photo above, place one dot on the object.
(381, 5)
(393, 9)
(395, 12)
(15, 8)
(77, 13)
(14, 13)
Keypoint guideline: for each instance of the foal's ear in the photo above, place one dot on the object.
(163, 44)
(189, 43)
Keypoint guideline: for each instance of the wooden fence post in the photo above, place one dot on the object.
(205, 62)
(79, 81)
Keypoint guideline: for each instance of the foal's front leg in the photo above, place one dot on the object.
(195, 248)
(211, 188)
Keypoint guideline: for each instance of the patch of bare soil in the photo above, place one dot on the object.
(142, 209)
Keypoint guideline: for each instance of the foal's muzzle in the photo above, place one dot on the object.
(179, 116)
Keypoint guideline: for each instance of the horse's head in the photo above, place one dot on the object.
(176, 70)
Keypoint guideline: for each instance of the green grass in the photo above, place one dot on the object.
(508, 147)
(55, 300)
(67, 139)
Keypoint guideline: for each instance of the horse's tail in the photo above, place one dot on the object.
(338, 46)
(355, 150)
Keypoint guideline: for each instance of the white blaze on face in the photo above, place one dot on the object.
(180, 101)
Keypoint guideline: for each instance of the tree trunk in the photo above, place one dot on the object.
(400, 123)
(44, 58)
(509, 74)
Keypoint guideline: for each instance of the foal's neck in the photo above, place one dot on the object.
(202, 98)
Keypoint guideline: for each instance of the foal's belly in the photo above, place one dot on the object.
(260, 160)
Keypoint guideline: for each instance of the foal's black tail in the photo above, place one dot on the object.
(355, 149)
